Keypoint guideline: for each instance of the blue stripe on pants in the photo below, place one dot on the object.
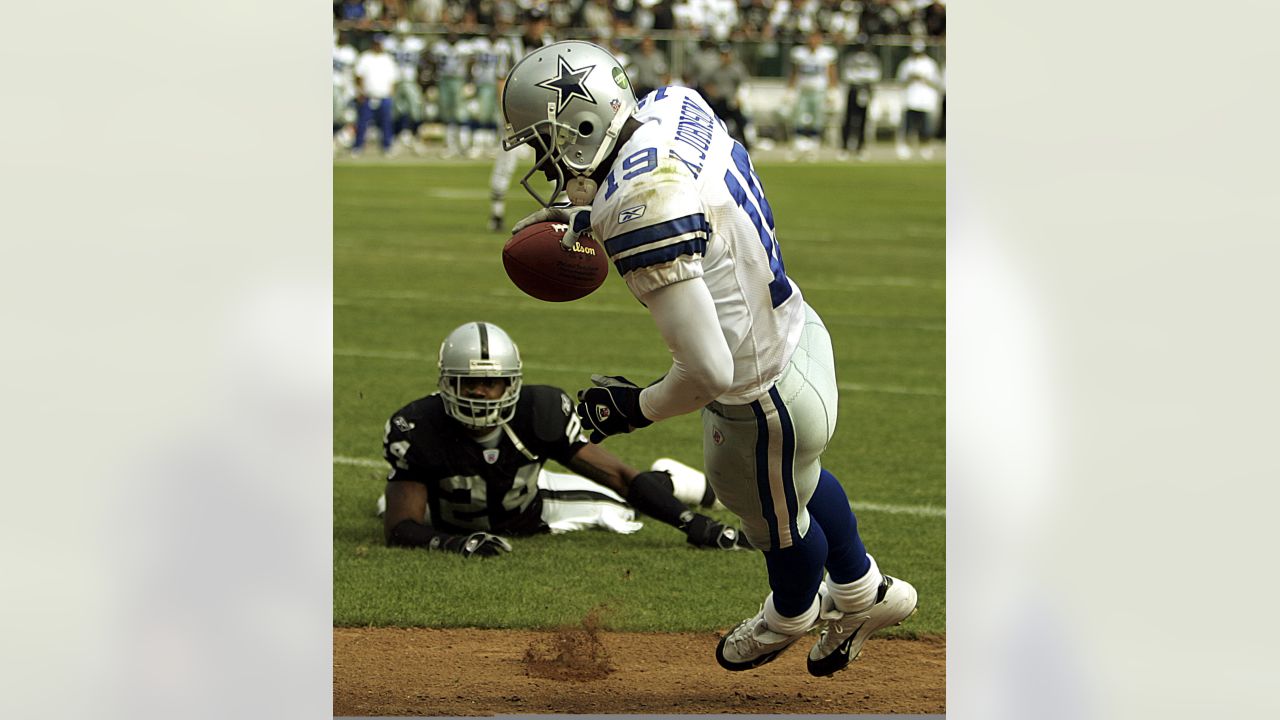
(762, 472)
(788, 462)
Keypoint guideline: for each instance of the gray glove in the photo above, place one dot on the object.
(577, 217)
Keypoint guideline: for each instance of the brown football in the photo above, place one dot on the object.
(538, 265)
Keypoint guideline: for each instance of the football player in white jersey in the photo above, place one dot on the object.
(487, 55)
(679, 209)
(813, 73)
(344, 89)
(504, 165)
(410, 110)
(450, 58)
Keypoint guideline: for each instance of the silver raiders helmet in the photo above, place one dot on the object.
(479, 350)
(568, 100)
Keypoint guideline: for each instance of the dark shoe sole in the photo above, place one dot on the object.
(728, 664)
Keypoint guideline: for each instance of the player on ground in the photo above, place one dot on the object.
(467, 463)
(679, 209)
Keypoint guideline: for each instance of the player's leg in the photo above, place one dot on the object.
(449, 114)
(571, 502)
(763, 461)
(857, 599)
(504, 166)
(383, 112)
(364, 114)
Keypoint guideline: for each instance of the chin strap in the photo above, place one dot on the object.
(516, 441)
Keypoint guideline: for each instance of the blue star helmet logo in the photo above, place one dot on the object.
(568, 82)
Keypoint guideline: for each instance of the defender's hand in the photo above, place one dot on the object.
(612, 407)
(703, 532)
(477, 544)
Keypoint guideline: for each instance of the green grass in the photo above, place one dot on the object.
(412, 261)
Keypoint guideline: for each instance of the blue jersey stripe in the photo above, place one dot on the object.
(762, 473)
(788, 463)
(660, 255)
(654, 233)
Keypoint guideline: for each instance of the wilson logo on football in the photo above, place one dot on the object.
(580, 248)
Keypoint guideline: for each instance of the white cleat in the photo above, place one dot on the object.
(844, 633)
(752, 644)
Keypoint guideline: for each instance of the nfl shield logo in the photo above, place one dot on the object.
(491, 455)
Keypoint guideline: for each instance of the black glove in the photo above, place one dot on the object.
(480, 544)
(611, 408)
(703, 532)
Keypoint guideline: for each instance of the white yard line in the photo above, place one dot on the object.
(410, 356)
(917, 510)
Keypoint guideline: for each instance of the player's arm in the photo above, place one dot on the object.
(701, 362)
(652, 493)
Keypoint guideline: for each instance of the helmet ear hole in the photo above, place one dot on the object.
(585, 128)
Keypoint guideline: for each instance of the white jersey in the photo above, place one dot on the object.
(407, 52)
(922, 76)
(450, 58)
(377, 73)
(682, 201)
(344, 65)
(487, 60)
(812, 66)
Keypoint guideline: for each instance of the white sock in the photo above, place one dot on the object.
(498, 208)
(859, 594)
(451, 137)
(789, 625)
(688, 485)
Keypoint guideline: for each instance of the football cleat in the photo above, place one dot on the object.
(752, 644)
(844, 633)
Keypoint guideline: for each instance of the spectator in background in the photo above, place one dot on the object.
(813, 73)
(597, 18)
(860, 71)
(935, 19)
(649, 69)
(375, 79)
(720, 90)
(702, 63)
(923, 79)
(349, 10)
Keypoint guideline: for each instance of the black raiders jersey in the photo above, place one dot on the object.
(470, 487)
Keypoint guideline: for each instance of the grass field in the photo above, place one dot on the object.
(412, 261)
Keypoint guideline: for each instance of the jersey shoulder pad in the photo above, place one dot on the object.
(655, 230)
(550, 412)
(416, 426)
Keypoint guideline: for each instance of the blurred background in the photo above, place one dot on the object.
(762, 64)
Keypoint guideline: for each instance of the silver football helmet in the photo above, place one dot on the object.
(569, 100)
(479, 350)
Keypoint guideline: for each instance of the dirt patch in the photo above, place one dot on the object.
(570, 653)
(424, 671)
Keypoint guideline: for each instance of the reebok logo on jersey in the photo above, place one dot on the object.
(631, 213)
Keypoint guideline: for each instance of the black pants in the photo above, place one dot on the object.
(855, 118)
(917, 120)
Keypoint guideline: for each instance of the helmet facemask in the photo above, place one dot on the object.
(476, 413)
